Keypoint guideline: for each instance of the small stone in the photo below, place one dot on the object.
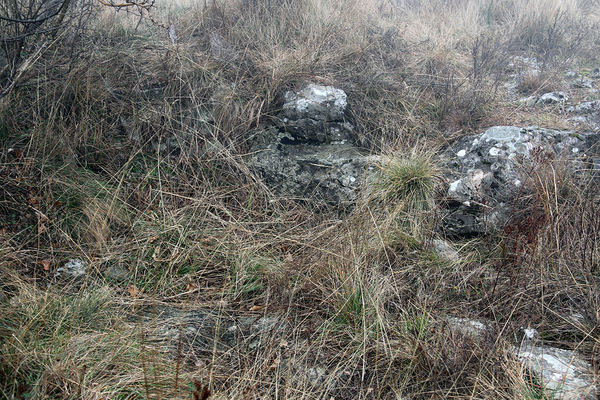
(73, 269)
(469, 327)
(445, 250)
(528, 101)
(494, 151)
(553, 98)
(118, 273)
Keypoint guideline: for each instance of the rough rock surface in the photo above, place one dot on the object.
(553, 98)
(73, 269)
(483, 176)
(315, 115)
(587, 112)
(198, 335)
(563, 372)
(472, 328)
(445, 250)
(309, 153)
(203, 331)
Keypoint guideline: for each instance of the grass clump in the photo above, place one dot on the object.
(408, 180)
(405, 189)
(73, 346)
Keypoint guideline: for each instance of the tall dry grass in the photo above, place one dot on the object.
(131, 155)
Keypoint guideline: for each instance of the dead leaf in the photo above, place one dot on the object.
(156, 253)
(134, 291)
(201, 392)
(289, 258)
(256, 308)
(275, 364)
(46, 264)
(191, 287)
(18, 153)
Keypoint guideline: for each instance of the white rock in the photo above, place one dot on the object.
(75, 268)
(445, 250)
(553, 98)
(563, 372)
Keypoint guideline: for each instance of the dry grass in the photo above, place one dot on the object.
(128, 152)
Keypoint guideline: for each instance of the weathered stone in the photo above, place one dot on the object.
(73, 269)
(583, 83)
(316, 102)
(203, 331)
(445, 250)
(553, 98)
(484, 180)
(330, 173)
(587, 112)
(564, 374)
(587, 107)
(309, 154)
(528, 101)
(472, 328)
(316, 115)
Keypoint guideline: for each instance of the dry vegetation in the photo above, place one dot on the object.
(125, 148)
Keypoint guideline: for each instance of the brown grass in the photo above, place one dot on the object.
(128, 152)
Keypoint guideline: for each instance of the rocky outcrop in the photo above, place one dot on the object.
(563, 374)
(198, 335)
(553, 98)
(587, 112)
(484, 178)
(309, 153)
(203, 331)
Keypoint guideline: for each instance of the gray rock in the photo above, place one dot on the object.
(329, 173)
(204, 331)
(587, 107)
(564, 374)
(583, 83)
(445, 250)
(309, 154)
(587, 112)
(528, 101)
(315, 115)
(472, 328)
(553, 98)
(317, 102)
(525, 65)
(73, 269)
(483, 177)
(571, 74)
(118, 273)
